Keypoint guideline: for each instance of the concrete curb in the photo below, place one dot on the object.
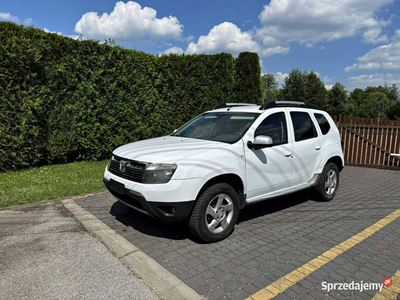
(50, 201)
(165, 284)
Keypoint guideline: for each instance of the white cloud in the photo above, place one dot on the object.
(275, 50)
(280, 77)
(376, 79)
(75, 37)
(382, 57)
(175, 50)
(312, 21)
(328, 86)
(327, 79)
(8, 17)
(129, 22)
(28, 21)
(48, 31)
(225, 37)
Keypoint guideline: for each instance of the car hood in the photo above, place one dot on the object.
(167, 149)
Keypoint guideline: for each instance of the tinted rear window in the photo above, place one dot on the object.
(323, 123)
(303, 126)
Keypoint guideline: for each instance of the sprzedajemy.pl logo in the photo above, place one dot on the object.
(355, 286)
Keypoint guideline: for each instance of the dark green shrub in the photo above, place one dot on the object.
(63, 100)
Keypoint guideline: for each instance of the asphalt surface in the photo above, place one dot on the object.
(46, 254)
(276, 237)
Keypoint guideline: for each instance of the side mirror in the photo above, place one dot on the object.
(261, 141)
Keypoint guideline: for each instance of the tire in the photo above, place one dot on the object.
(215, 213)
(328, 183)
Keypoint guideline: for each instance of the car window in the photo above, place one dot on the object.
(303, 126)
(323, 123)
(274, 126)
(227, 127)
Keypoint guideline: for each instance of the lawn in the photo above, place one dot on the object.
(50, 182)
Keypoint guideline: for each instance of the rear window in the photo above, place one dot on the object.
(303, 126)
(323, 123)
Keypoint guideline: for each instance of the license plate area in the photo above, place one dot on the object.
(117, 187)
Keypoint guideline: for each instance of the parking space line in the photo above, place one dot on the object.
(390, 292)
(300, 273)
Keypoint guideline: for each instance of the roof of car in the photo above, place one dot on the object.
(254, 108)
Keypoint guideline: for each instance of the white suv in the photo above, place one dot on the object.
(225, 159)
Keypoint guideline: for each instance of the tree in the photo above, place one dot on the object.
(394, 112)
(358, 96)
(392, 93)
(368, 107)
(294, 88)
(248, 78)
(315, 90)
(339, 102)
(270, 87)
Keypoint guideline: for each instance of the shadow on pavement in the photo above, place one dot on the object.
(271, 206)
(148, 225)
(180, 231)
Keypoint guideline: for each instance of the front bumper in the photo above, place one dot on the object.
(166, 211)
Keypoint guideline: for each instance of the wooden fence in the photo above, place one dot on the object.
(369, 142)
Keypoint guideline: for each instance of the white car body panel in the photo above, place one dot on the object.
(166, 149)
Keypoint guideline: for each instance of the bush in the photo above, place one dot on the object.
(248, 87)
(63, 100)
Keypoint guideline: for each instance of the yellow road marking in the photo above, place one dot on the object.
(390, 292)
(292, 278)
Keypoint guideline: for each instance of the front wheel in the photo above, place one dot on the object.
(215, 213)
(328, 183)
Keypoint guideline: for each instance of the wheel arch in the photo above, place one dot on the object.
(337, 160)
(233, 180)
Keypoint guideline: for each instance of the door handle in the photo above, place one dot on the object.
(288, 155)
(318, 148)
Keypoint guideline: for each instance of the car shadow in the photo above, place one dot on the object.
(273, 205)
(148, 225)
(180, 231)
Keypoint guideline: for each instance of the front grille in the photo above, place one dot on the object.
(134, 170)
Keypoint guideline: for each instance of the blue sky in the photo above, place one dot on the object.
(355, 42)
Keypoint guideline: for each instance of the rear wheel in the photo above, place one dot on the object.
(215, 213)
(328, 183)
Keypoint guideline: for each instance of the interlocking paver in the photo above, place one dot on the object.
(274, 238)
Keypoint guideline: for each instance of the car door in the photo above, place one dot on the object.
(269, 169)
(307, 147)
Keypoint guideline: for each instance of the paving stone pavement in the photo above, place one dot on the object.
(275, 237)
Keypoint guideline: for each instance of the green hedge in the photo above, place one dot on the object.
(63, 100)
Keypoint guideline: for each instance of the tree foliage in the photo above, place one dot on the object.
(63, 100)
(308, 87)
(248, 78)
(304, 87)
(338, 102)
(269, 87)
(294, 88)
(315, 90)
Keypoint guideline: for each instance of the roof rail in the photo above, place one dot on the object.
(272, 104)
(224, 105)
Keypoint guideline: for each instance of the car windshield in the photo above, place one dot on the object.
(227, 127)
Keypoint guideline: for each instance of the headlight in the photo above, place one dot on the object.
(109, 163)
(158, 173)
